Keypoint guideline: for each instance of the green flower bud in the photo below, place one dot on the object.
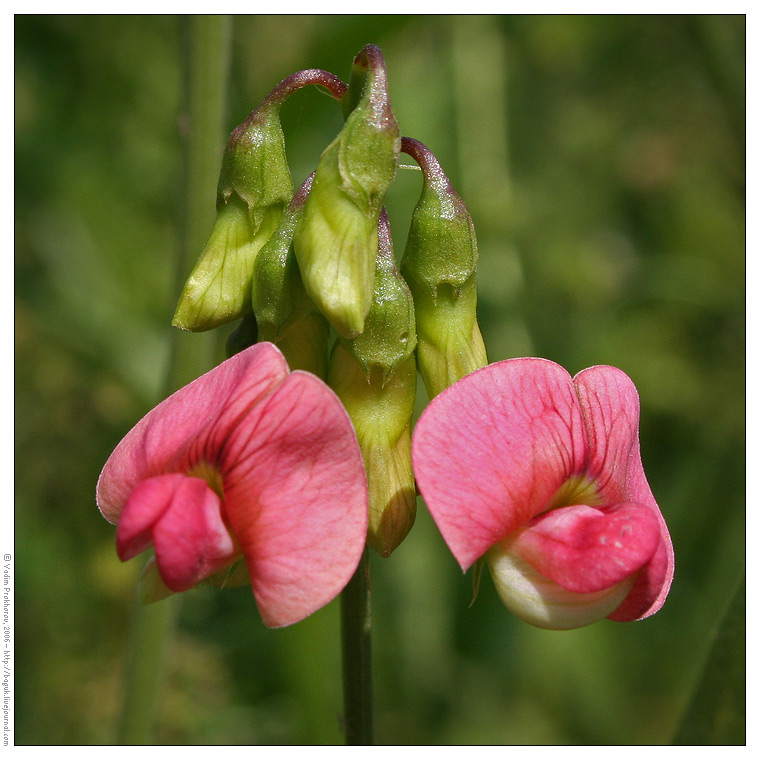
(439, 263)
(382, 416)
(449, 342)
(336, 242)
(389, 335)
(254, 187)
(285, 314)
(375, 377)
(303, 343)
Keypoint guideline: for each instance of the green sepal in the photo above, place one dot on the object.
(477, 573)
(231, 577)
(441, 249)
(151, 587)
(278, 296)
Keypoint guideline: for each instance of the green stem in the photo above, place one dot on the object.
(149, 635)
(356, 625)
(206, 48)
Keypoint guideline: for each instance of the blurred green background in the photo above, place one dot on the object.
(602, 159)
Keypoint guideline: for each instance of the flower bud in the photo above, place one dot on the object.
(439, 263)
(382, 415)
(375, 377)
(286, 316)
(254, 187)
(336, 242)
(389, 334)
(303, 343)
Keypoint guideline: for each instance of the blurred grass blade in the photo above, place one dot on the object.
(717, 712)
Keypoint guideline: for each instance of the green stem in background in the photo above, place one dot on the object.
(480, 116)
(356, 625)
(149, 635)
(206, 45)
(481, 122)
(206, 53)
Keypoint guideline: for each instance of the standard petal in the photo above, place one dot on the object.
(611, 411)
(610, 406)
(586, 550)
(167, 438)
(190, 538)
(491, 451)
(296, 498)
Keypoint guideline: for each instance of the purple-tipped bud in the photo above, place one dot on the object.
(439, 263)
(336, 242)
(254, 187)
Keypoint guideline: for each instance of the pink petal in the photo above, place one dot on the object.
(181, 517)
(611, 412)
(168, 435)
(611, 409)
(652, 584)
(490, 451)
(190, 538)
(143, 508)
(586, 550)
(296, 498)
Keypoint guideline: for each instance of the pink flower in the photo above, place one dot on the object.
(540, 474)
(248, 461)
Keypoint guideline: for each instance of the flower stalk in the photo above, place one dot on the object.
(356, 648)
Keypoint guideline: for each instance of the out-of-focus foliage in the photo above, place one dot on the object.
(602, 159)
(717, 711)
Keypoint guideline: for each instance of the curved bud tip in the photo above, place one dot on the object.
(254, 165)
(254, 187)
(336, 242)
(440, 264)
